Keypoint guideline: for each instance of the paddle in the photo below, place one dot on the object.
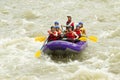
(40, 38)
(38, 53)
(62, 28)
(92, 38)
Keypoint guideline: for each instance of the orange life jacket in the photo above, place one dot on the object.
(70, 35)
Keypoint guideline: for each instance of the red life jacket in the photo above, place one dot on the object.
(59, 32)
(78, 32)
(70, 23)
(52, 37)
(59, 35)
(70, 35)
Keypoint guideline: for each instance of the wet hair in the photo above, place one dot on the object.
(69, 16)
(52, 27)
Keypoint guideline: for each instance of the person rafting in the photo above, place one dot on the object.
(57, 27)
(70, 22)
(82, 29)
(77, 30)
(59, 32)
(53, 34)
(71, 35)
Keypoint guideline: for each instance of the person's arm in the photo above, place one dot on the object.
(80, 33)
(49, 32)
(72, 24)
(56, 34)
(63, 28)
(60, 31)
(76, 35)
(84, 31)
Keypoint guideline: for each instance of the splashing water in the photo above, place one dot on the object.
(22, 20)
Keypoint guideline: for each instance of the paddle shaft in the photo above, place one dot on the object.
(62, 28)
(44, 44)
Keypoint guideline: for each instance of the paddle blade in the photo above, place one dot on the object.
(38, 54)
(83, 39)
(40, 39)
(93, 38)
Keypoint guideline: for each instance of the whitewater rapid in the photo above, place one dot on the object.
(22, 20)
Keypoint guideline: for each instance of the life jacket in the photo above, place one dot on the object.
(52, 37)
(82, 31)
(78, 32)
(59, 32)
(68, 23)
(70, 35)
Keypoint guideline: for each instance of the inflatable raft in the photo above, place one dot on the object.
(60, 47)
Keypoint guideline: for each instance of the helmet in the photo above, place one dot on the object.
(56, 22)
(57, 27)
(80, 23)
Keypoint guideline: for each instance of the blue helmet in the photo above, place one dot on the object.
(57, 26)
(56, 22)
(80, 23)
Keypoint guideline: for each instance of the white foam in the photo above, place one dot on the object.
(22, 20)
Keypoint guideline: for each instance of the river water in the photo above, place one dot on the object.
(22, 20)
